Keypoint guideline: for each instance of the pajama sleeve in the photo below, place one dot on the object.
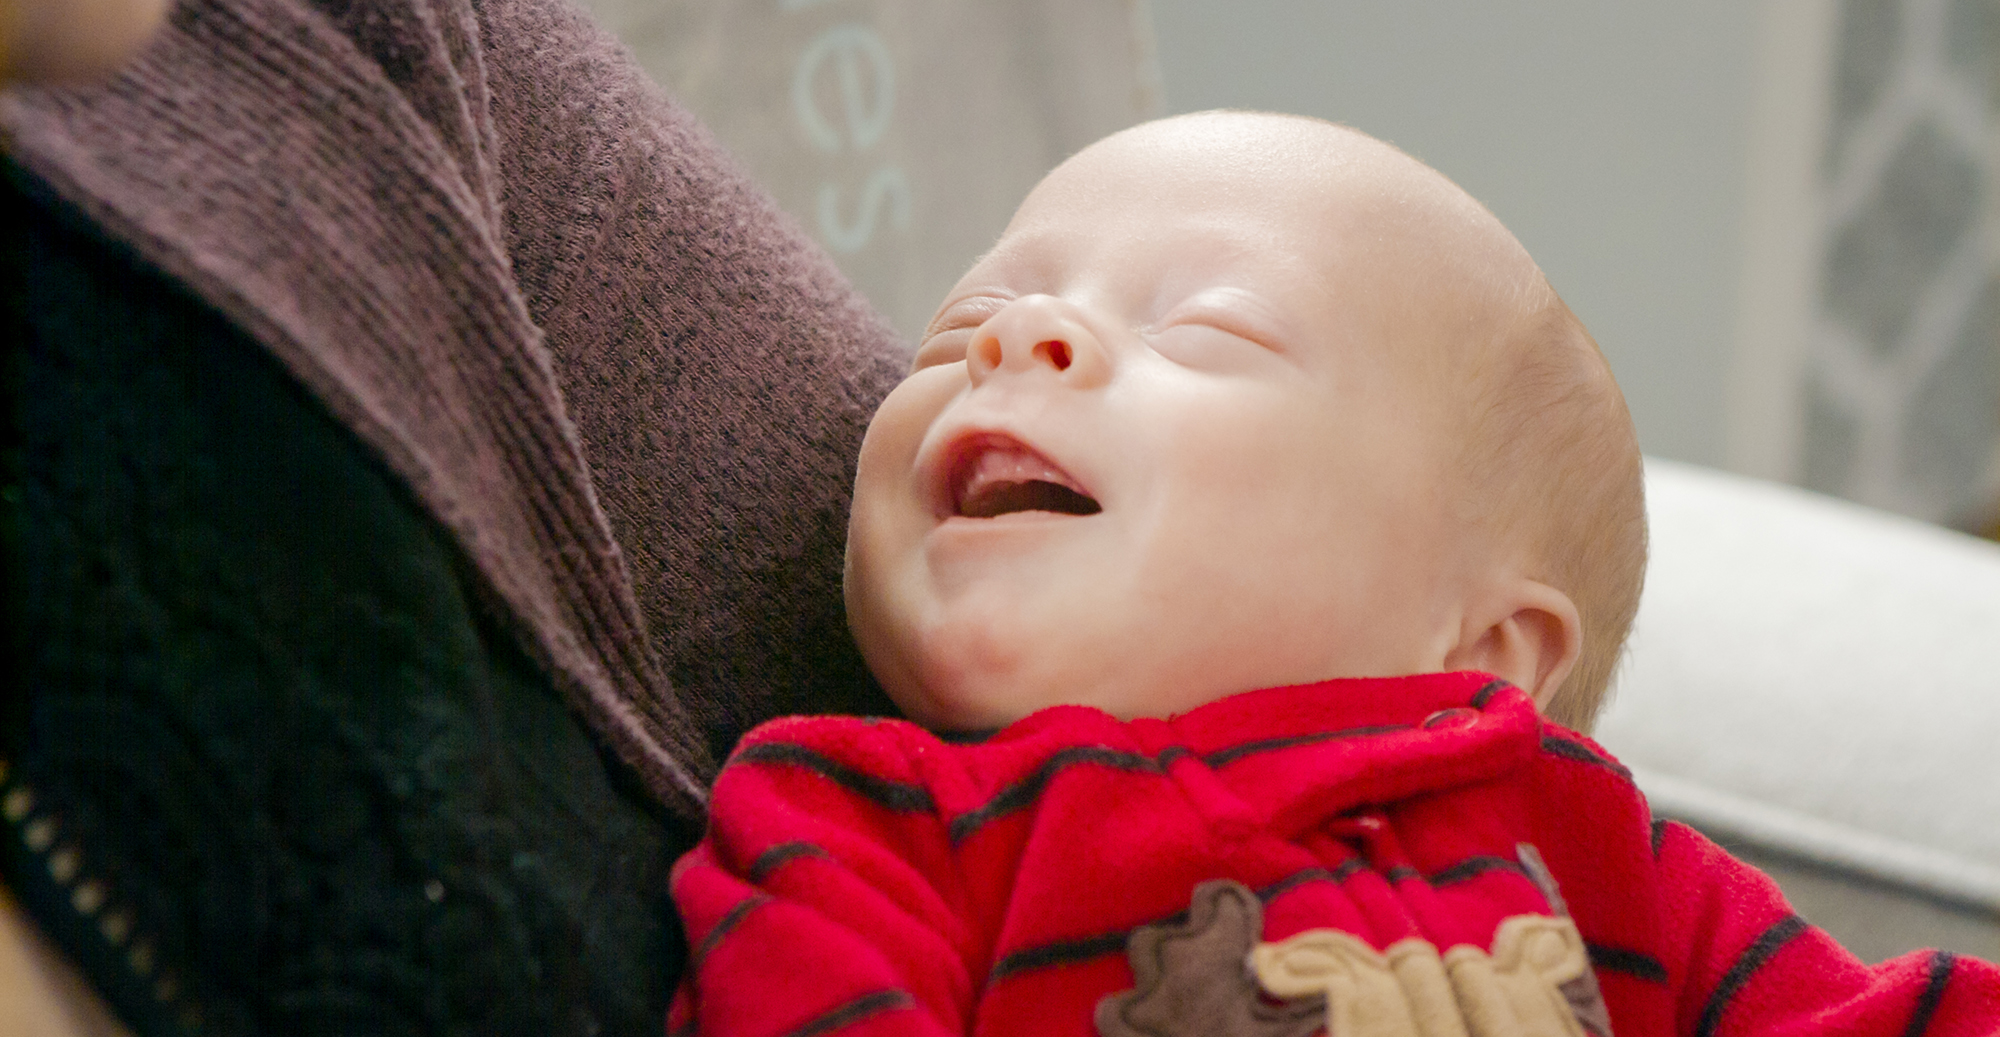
(822, 899)
(1747, 964)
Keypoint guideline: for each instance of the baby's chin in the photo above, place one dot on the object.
(985, 703)
(953, 706)
(980, 670)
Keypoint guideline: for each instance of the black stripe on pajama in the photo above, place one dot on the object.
(1637, 964)
(890, 795)
(1023, 793)
(973, 737)
(853, 1012)
(1484, 695)
(1063, 952)
(1297, 879)
(1570, 749)
(1753, 958)
(1942, 962)
(729, 921)
(1473, 867)
(770, 860)
(1226, 756)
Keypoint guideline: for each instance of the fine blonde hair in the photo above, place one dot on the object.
(1554, 464)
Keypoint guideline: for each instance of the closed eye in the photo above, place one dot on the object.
(1213, 327)
(1208, 346)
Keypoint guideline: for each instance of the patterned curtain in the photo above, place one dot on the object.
(1902, 375)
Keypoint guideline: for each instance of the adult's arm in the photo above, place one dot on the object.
(336, 674)
(718, 368)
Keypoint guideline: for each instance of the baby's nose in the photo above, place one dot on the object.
(1037, 333)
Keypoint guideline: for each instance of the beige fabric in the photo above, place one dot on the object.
(901, 133)
(1412, 991)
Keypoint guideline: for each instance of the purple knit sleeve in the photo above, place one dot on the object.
(719, 368)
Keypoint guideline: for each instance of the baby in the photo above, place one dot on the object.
(1249, 505)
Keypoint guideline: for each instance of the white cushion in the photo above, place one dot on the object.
(1818, 678)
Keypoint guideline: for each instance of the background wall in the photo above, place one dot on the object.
(1776, 217)
(1609, 136)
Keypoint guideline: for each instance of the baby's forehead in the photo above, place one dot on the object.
(1266, 269)
(1320, 224)
(1176, 229)
(1172, 246)
(1328, 196)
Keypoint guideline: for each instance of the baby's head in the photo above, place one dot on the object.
(1240, 401)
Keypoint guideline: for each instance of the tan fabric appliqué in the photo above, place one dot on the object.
(1412, 991)
(1209, 976)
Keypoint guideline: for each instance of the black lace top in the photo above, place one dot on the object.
(266, 765)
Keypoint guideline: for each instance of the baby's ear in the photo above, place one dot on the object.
(1527, 633)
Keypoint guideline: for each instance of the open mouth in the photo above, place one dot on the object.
(996, 475)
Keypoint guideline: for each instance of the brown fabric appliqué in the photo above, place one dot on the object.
(1192, 978)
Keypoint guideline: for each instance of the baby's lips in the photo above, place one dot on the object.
(993, 474)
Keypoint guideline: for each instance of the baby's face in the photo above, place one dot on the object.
(1177, 436)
